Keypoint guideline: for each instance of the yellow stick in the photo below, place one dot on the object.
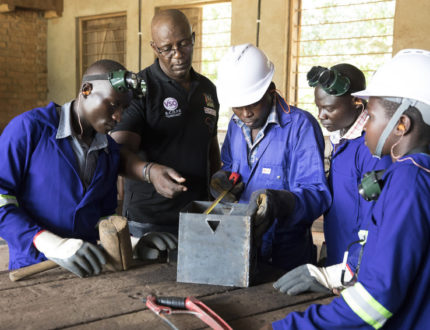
(215, 202)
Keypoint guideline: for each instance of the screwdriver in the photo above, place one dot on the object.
(234, 177)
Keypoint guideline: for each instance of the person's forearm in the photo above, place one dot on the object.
(131, 166)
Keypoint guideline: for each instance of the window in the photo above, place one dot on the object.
(329, 32)
(101, 37)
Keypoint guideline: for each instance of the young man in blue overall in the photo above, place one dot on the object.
(58, 175)
(393, 283)
(344, 116)
(278, 151)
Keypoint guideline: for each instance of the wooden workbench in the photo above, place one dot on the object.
(113, 300)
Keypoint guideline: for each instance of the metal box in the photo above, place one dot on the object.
(215, 248)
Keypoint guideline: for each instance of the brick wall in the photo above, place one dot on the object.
(23, 63)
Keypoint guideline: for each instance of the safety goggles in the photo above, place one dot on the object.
(331, 80)
(122, 81)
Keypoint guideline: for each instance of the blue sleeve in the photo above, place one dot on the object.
(16, 226)
(336, 315)
(399, 233)
(306, 174)
(393, 274)
(226, 157)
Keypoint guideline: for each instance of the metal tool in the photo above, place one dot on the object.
(163, 306)
(234, 177)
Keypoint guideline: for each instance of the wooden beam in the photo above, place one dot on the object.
(52, 8)
(5, 8)
(51, 14)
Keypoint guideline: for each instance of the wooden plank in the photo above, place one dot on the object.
(318, 225)
(6, 8)
(57, 274)
(52, 14)
(4, 256)
(258, 321)
(52, 8)
(56, 5)
(232, 306)
(58, 299)
(71, 301)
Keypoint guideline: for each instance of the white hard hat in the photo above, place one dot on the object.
(406, 75)
(244, 75)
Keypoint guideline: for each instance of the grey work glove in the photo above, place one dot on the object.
(75, 255)
(220, 182)
(311, 278)
(267, 204)
(149, 246)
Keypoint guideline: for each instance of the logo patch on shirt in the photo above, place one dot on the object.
(171, 105)
(210, 111)
(266, 170)
(209, 101)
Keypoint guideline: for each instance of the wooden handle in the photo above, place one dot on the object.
(115, 238)
(19, 274)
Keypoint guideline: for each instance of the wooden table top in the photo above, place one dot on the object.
(113, 300)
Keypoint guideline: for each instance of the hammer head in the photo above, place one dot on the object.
(115, 239)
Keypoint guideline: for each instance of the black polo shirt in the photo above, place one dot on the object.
(176, 128)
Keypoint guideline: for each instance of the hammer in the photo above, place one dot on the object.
(115, 239)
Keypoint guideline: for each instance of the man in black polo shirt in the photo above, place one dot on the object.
(173, 128)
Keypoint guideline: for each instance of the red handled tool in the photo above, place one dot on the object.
(234, 177)
(188, 305)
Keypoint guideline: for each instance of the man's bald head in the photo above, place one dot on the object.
(171, 17)
(172, 42)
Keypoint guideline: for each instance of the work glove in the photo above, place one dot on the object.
(311, 278)
(75, 255)
(150, 245)
(220, 182)
(267, 204)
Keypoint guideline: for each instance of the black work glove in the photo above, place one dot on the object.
(267, 204)
(150, 245)
(220, 182)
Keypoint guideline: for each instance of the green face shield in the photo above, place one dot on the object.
(330, 80)
(122, 81)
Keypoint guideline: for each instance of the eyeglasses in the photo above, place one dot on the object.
(169, 51)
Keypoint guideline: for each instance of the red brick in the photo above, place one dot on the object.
(23, 63)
